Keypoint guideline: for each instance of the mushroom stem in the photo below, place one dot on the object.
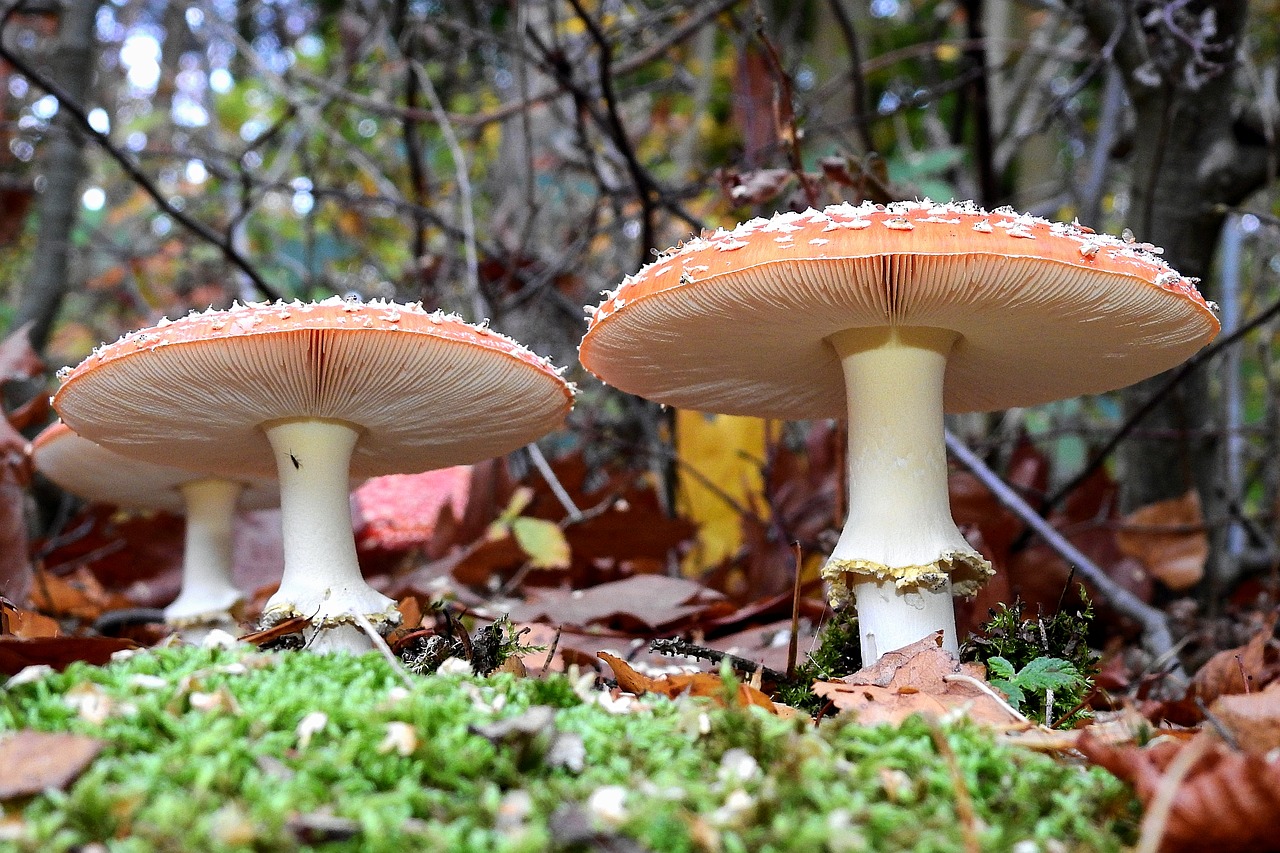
(899, 547)
(208, 595)
(322, 579)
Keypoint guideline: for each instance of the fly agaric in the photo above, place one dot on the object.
(315, 393)
(890, 315)
(208, 596)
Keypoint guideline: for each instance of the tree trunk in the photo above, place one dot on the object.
(1191, 159)
(72, 67)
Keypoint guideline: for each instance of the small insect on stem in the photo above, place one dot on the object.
(294, 460)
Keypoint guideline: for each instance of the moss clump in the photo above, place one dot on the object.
(219, 750)
(839, 653)
(1010, 644)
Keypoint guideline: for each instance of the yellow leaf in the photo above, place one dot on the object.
(542, 541)
(721, 459)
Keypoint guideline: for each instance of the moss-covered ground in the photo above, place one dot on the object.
(233, 750)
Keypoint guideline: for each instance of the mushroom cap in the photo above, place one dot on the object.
(425, 390)
(100, 475)
(736, 322)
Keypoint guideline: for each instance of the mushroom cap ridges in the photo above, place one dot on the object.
(736, 321)
(100, 475)
(425, 390)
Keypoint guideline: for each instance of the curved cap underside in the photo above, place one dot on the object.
(714, 333)
(97, 474)
(424, 390)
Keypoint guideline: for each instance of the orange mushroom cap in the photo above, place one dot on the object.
(737, 321)
(103, 476)
(425, 390)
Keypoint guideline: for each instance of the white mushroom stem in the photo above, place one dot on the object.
(208, 595)
(322, 579)
(899, 544)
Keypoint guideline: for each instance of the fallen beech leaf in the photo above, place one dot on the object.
(58, 652)
(1235, 670)
(39, 761)
(1169, 538)
(1227, 802)
(692, 684)
(542, 542)
(649, 602)
(914, 680)
(1252, 718)
(31, 625)
(78, 595)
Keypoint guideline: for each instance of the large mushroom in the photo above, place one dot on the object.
(208, 597)
(315, 393)
(889, 316)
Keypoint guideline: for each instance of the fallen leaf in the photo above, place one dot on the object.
(1227, 801)
(34, 761)
(542, 542)
(704, 684)
(1252, 718)
(1169, 538)
(921, 678)
(29, 625)
(79, 595)
(1235, 670)
(58, 652)
(646, 602)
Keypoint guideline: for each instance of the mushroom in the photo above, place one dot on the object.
(889, 316)
(315, 393)
(208, 597)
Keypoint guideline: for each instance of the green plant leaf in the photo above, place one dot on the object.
(542, 541)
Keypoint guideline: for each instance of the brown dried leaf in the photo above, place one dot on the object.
(644, 602)
(704, 684)
(1252, 718)
(40, 761)
(58, 652)
(28, 624)
(1235, 670)
(914, 680)
(1227, 802)
(78, 595)
(1169, 538)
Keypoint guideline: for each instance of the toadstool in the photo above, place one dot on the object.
(315, 393)
(208, 597)
(889, 316)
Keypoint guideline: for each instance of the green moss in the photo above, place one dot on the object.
(1010, 644)
(839, 653)
(671, 775)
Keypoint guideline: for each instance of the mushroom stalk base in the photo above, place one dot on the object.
(900, 550)
(322, 579)
(208, 596)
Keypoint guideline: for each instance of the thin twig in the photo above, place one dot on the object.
(557, 488)
(964, 801)
(675, 646)
(551, 652)
(380, 644)
(1155, 821)
(479, 302)
(103, 141)
(1155, 628)
(987, 689)
(793, 646)
(1175, 379)
(784, 115)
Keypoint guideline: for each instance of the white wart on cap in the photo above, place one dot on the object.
(339, 389)
(891, 315)
(97, 474)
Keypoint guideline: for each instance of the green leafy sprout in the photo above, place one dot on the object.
(228, 750)
(1044, 665)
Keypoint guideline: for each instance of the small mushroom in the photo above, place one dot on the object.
(890, 315)
(400, 511)
(208, 598)
(315, 393)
